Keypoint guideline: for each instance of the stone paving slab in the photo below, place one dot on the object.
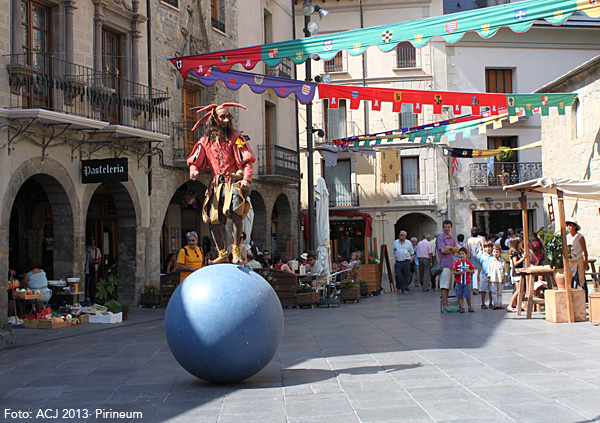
(389, 358)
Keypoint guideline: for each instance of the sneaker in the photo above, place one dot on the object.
(500, 307)
(471, 310)
(462, 309)
(448, 310)
(484, 307)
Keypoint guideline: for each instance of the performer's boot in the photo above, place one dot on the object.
(237, 254)
(221, 258)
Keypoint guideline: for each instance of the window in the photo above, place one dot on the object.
(406, 118)
(406, 56)
(189, 118)
(338, 183)
(174, 3)
(217, 14)
(496, 142)
(489, 3)
(410, 175)
(498, 81)
(36, 33)
(335, 121)
(336, 64)
(111, 65)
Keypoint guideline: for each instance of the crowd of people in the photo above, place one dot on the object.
(481, 265)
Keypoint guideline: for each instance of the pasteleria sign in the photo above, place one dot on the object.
(105, 170)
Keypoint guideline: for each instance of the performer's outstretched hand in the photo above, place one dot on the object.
(243, 184)
(194, 174)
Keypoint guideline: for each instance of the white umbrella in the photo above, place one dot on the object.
(322, 207)
(247, 225)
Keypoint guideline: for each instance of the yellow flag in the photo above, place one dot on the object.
(390, 166)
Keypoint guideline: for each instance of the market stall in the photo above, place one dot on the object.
(559, 187)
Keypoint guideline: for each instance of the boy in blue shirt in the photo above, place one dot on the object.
(463, 269)
(484, 280)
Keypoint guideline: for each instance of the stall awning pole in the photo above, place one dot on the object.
(565, 251)
(523, 200)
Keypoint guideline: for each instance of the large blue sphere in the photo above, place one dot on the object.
(224, 323)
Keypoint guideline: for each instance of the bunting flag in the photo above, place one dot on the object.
(390, 166)
(283, 87)
(418, 98)
(468, 153)
(518, 16)
(454, 165)
(530, 101)
(479, 102)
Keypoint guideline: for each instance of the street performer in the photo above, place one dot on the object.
(231, 160)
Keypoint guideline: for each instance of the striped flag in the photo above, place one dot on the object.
(454, 165)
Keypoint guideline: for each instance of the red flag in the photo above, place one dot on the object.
(454, 165)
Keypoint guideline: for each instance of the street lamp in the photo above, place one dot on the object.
(310, 28)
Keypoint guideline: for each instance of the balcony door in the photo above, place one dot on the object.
(338, 183)
(189, 119)
(111, 65)
(36, 21)
(496, 142)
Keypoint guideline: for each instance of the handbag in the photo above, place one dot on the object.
(436, 269)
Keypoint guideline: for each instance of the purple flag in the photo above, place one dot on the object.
(305, 91)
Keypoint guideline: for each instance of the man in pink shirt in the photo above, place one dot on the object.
(231, 160)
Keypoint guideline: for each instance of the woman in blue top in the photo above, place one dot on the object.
(35, 279)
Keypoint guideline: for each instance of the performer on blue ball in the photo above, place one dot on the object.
(231, 160)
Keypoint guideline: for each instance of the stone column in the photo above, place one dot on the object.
(98, 23)
(16, 22)
(135, 38)
(69, 9)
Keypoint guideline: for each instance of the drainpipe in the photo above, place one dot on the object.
(297, 136)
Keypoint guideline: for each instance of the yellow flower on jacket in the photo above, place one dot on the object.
(240, 142)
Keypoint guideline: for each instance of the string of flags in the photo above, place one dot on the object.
(518, 16)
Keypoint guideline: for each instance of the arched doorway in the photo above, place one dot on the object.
(111, 221)
(415, 224)
(259, 226)
(281, 223)
(41, 228)
(184, 214)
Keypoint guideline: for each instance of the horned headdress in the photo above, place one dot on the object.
(211, 110)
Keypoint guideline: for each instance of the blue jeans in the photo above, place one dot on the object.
(402, 271)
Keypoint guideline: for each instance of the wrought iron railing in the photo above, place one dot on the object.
(274, 160)
(184, 139)
(282, 70)
(40, 81)
(343, 195)
(504, 173)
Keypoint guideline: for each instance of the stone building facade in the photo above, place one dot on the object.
(91, 83)
(570, 145)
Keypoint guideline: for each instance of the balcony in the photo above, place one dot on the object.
(183, 141)
(278, 164)
(505, 173)
(65, 92)
(282, 70)
(343, 195)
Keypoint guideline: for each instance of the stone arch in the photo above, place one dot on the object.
(415, 224)
(259, 226)
(58, 186)
(281, 223)
(129, 238)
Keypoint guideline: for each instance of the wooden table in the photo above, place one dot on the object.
(531, 274)
(69, 298)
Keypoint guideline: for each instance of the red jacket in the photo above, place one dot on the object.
(223, 156)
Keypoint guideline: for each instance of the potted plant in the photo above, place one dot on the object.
(125, 309)
(506, 155)
(553, 246)
(150, 297)
(349, 290)
(106, 289)
(306, 295)
(370, 272)
(364, 289)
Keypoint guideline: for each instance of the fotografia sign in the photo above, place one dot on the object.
(106, 170)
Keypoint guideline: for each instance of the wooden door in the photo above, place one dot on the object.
(189, 118)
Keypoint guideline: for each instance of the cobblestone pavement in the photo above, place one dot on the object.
(389, 358)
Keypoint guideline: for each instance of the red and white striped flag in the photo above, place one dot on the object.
(454, 165)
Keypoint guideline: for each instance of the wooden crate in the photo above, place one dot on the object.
(49, 324)
(556, 305)
(371, 274)
(307, 298)
(595, 307)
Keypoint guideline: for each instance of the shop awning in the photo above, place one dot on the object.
(570, 187)
(519, 17)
